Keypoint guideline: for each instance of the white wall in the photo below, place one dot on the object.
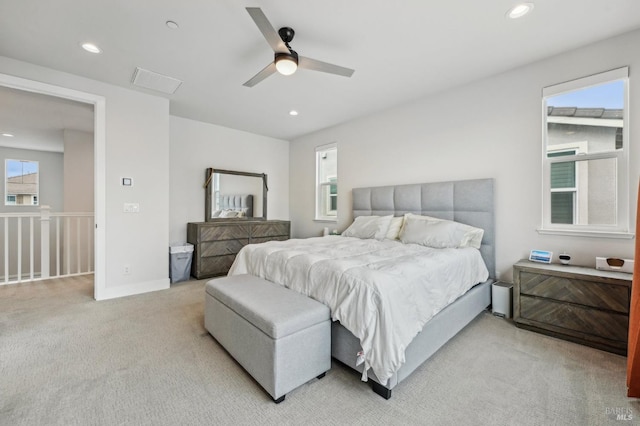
(195, 146)
(78, 171)
(490, 128)
(137, 146)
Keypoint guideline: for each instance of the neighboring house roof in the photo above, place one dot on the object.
(25, 184)
(585, 112)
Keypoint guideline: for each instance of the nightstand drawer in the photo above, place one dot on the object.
(576, 290)
(576, 318)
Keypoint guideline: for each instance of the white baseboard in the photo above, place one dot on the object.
(131, 289)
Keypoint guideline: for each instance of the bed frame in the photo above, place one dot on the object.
(470, 202)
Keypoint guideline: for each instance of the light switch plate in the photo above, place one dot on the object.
(131, 208)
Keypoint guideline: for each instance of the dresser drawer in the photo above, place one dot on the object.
(223, 232)
(219, 248)
(218, 265)
(265, 239)
(584, 320)
(576, 290)
(269, 230)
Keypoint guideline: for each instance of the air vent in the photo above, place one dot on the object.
(154, 81)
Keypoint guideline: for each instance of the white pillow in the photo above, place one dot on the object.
(394, 228)
(228, 213)
(369, 227)
(439, 233)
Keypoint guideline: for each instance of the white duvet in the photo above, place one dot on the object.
(381, 291)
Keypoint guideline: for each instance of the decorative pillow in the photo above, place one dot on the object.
(228, 213)
(369, 227)
(394, 228)
(216, 213)
(439, 233)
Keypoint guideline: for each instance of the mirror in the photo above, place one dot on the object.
(235, 195)
(21, 183)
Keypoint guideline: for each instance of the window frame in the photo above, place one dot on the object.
(621, 228)
(321, 186)
(35, 202)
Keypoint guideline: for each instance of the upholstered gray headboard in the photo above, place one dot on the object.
(237, 202)
(466, 201)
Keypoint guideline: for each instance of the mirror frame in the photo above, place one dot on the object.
(208, 193)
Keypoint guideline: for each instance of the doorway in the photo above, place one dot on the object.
(99, 169)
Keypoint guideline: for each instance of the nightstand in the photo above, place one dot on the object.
(575, 303)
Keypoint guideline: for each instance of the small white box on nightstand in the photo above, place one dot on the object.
(501, 296)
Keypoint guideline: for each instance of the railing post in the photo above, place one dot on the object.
(45, 214)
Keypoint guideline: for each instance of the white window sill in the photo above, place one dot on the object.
(326, 220)
(584, 233)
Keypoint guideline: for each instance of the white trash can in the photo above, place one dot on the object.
(180, 255)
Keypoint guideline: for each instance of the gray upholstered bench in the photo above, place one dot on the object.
(282, 338)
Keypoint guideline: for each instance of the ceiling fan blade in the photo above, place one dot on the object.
(267, 30)
(313, 64)
(266, 72)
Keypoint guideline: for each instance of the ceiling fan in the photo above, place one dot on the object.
(286, 60)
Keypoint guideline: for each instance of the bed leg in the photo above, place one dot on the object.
(380, 390)
(279, 400)
(322, 375)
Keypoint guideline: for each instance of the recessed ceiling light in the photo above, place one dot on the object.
(90, 47)
(7, 135)
(519, 10)
(293, 112)
(173, 25)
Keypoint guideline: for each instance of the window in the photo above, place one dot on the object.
(585, 156)
(327, 182)
(21, 183)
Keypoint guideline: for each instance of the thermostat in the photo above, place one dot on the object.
(127, 182)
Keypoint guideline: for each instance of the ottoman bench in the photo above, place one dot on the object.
(281, 337)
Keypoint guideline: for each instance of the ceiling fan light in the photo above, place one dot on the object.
(286, 64)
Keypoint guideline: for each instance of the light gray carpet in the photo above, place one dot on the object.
(147, 360)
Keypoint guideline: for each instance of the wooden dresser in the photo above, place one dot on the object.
(583, 305)
(217, 243)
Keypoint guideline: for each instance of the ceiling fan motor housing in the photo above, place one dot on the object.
(292, 56)
(286, 34)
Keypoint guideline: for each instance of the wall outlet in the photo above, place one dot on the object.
(126, 270)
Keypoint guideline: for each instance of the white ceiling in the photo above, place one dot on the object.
(37, 121)
(400, 50)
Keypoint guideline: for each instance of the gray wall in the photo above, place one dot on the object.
(78, 171)
(196, 146)
(490, 128)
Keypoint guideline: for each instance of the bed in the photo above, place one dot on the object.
(408, 345)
